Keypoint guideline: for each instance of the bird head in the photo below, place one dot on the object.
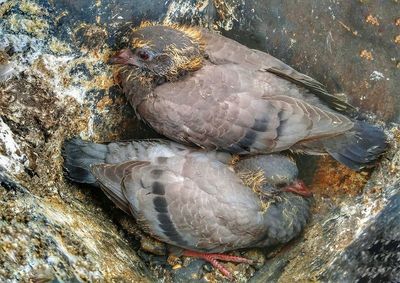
(162, 51)
(271, 175)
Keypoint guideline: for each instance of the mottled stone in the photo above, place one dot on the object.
(191, 273)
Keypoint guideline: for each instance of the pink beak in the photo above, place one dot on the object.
(124, 57)
(298, 187)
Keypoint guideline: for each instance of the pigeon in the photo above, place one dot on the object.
(200, 202)
(202, 89)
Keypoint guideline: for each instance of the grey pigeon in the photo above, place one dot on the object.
(199, 88)
(192, 199)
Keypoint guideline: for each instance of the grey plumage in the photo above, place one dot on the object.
(79, 155)
(206, 90)
(190, 198)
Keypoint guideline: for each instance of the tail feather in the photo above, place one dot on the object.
(359, 147)
(79, 156)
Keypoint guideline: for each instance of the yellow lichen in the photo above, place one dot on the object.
(100, 82)
(30, 8)
(397, 39)
(372, 20)
(91, 37)
(14, 23)
(59, 47)
(366, 55)
(5, 7)
(35, 26)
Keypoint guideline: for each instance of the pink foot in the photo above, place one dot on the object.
(213, 259)
(298, 187)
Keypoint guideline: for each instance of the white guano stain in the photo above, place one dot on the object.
(376, 76)
(12, 160)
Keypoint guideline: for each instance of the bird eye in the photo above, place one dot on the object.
(143, 55)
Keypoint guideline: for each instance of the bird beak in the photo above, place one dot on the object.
(298, 187)
(123, 57)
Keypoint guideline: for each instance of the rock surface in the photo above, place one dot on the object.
(55, 84)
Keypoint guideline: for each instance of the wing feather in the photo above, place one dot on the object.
(222, 50)
(193, 202)
(237, 110)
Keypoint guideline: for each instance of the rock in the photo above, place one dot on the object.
(192, 273)
(153, 246)
(374, 255)
(46, 238)
(55, 84)
(257, 256)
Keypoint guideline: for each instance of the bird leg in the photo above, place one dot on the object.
(213, 259)
(298, 187)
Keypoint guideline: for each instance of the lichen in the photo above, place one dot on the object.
(53, 230)
(333, 179)
(372, 20)
(35, 26)
(365, 54)
(7, 6)
(58, 47)
(30, 8)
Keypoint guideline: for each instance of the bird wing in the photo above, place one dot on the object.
(192, 202)
(230, 107)
(110, 175)
(222, 50)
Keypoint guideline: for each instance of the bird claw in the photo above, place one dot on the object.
(213, 259)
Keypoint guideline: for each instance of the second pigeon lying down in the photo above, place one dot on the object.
(193, 199)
